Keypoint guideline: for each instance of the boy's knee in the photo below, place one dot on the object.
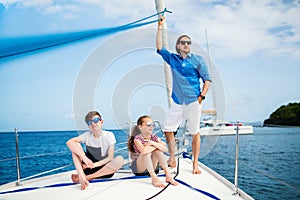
(120, 159)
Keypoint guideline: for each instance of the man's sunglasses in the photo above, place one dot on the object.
(185, 42)
(96, 120)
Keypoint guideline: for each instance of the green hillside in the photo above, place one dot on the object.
(287, 115)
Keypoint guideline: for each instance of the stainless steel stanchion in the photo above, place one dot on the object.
(17, 158)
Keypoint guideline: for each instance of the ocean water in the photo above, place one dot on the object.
(269, 160)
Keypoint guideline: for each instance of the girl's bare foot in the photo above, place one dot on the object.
(169, 179)
(157, 183)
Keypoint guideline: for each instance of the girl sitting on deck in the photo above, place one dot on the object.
(147, 152)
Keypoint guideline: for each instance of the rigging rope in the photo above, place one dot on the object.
(37, 155)
(12, 46)
(46, 172)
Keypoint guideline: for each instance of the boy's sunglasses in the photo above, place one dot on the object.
(96, 120)
(185, 42)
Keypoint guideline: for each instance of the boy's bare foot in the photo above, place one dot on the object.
(84, 183)
(74, 178)
(157, 183)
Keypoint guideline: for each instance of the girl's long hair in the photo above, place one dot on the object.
(135, 131)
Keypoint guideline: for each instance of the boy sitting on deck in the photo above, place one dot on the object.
(98, 161)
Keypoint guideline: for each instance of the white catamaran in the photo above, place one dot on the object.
(213, 122)
(220, 127)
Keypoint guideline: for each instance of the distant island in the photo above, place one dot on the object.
(286, 115)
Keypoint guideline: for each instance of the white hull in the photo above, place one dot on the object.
(124, 185)
(220, 127)
(226, 130)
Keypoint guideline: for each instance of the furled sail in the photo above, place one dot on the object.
(160, 7)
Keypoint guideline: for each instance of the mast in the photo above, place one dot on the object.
(213, 111)
(160, 6)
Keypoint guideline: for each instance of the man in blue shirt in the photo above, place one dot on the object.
(187, 70)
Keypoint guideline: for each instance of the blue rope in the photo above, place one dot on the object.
(16, 46)
(198, 190)
(162, 13)
(106, 180)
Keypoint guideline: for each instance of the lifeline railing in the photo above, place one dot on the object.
(18, 183)
(18, 167)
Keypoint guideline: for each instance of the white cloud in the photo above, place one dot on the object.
(239, 28)
(117, 8)
(236, 27)
(27, 3)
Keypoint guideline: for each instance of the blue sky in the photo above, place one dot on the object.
(255, 46)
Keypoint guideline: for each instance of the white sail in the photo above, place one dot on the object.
(160, 6)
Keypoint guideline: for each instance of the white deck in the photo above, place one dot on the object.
(125, 185)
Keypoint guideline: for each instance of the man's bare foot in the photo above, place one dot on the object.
(196, 170)
(157, 183)
(169, 179)
(74, 178)
(172, 163)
